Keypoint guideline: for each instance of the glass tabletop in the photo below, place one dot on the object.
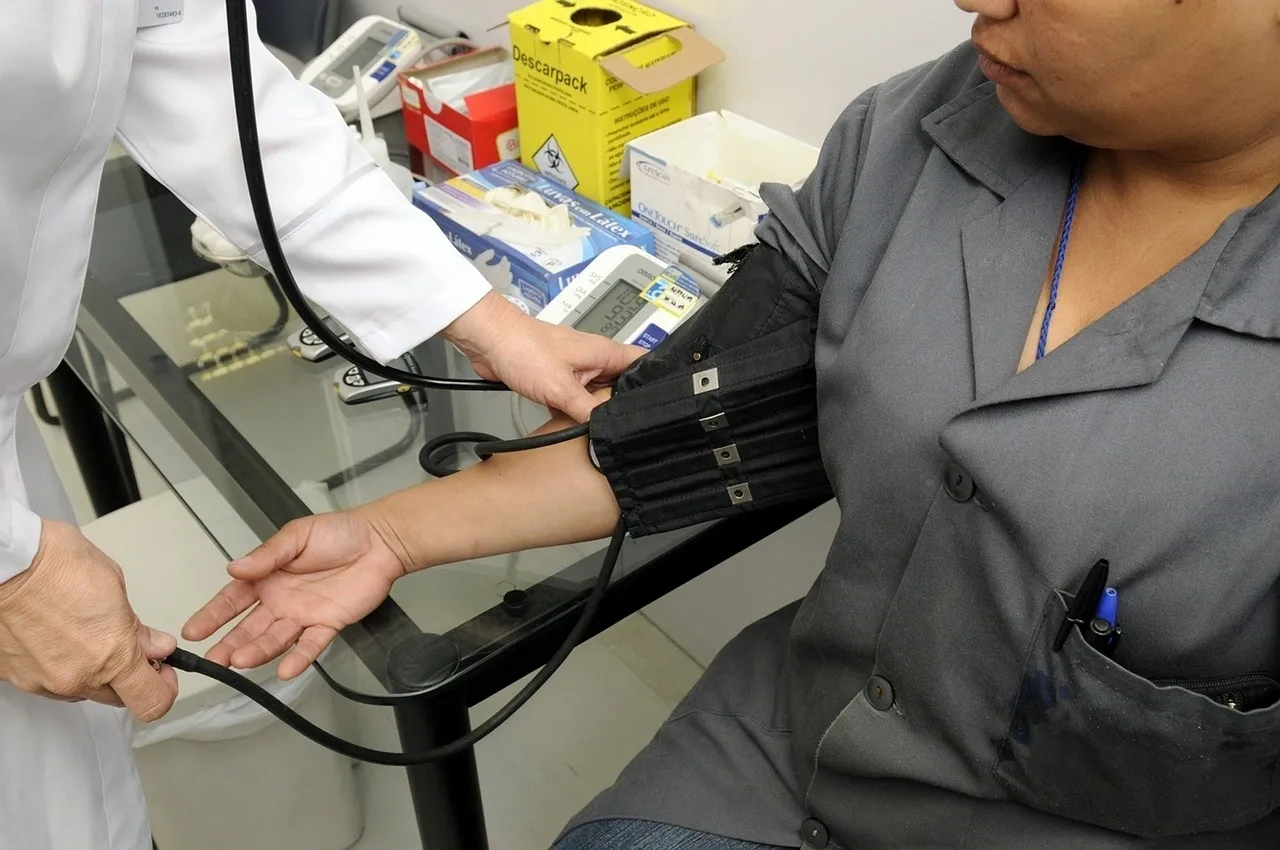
(193, 362)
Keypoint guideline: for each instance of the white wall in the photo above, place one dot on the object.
(793, 65)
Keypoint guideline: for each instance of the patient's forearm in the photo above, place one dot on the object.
(545, 497)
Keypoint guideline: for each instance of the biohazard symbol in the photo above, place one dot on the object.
(552, 163)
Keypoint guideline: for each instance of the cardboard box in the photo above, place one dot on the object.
(461, 141)
(592, 75)
(697, 183)
(519, 255)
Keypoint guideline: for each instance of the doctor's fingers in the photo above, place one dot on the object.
(40, 692)
(230, 602)
(156, 645)
(596, 355)
(104, 696)
(570, 398)
(107, 695)
(144, 690)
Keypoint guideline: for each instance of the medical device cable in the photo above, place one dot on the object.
(487, 445)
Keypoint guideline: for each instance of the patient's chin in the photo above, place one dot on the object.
(1030, 114)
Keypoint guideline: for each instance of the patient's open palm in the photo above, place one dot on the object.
(315, 577)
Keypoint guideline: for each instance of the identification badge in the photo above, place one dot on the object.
(158, 13)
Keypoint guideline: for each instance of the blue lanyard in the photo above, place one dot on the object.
(1068, 221)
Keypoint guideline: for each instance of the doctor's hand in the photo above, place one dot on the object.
(67, 631)
(552, 365)
(315, 577)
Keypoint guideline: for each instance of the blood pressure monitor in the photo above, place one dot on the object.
(381, 48)
(629, 296)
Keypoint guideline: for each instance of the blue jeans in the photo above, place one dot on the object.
(643, 835)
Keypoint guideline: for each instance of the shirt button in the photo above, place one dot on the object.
(959, 483)
(880, 693)
(814, 834)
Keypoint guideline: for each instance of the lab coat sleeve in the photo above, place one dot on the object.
(19, 537)
(358, 248)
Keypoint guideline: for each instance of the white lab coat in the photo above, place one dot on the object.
(76, 74)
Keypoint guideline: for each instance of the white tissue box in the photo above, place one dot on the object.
(528, 235)
(697, 183)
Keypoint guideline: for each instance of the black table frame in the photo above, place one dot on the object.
(446, 796)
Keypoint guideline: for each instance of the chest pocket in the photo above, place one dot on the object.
(1091, 741)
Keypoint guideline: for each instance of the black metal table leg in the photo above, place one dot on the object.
(446, 795)
(96, 443)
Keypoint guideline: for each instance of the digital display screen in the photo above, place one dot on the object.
(362, 55)
(613, 311)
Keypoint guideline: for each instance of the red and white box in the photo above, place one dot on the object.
(461, 111)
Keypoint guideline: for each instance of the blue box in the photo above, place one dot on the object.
(519, 257)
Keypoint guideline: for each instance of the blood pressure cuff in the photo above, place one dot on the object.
(722, 417)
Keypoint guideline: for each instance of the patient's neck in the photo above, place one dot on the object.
(1223, 174)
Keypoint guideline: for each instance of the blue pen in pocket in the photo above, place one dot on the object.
(1109, 606)
(1103, 631)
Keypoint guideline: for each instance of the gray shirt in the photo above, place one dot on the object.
(913, 699)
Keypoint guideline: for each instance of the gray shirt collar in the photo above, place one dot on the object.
(1240, 267)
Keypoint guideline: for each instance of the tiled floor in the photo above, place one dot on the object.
(549, 760)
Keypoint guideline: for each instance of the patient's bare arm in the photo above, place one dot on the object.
(509, 503)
